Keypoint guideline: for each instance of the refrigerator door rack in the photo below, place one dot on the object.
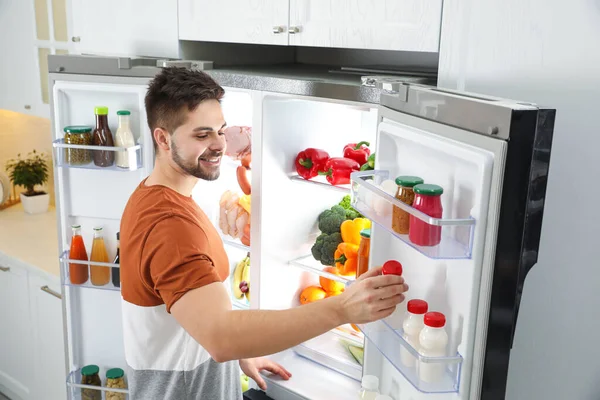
(322, 182)
(65, 261)
(308, 263)
(377, 205)
(134, 156)
(75, 386)
(390, 341)
(228, 241)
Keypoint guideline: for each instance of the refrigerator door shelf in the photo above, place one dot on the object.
(308, 263)
(75, 386)
(390, 341)
(134, 156)
(373, 202)
(321, 181)
(65, 261)
(229, 241)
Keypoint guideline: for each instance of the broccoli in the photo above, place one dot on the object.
(331, 220)
(346, 202)
(351, 213)
(325, 246)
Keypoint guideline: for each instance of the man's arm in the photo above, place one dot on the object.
(205, 313)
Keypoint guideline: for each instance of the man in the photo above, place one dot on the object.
(182, 339)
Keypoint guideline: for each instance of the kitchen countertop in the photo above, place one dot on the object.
(30, 239)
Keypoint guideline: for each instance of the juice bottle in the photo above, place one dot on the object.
(100, 275)
(363, 252)
(78, 273)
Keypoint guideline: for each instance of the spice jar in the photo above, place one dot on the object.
(89, 376)
(428, 201)
(115, 379)
(79, 135)
(364, 249)
(405, 193)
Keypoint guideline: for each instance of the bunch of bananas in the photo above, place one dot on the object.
(241, 279)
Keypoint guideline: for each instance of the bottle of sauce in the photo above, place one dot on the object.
(428, 201)
(412, 326)
(102, 136)
(78, 273)
(124, 138)
(364, 249)
(116, 272)
(100, 275)
(433, 340)
(405, 193)
(369, 387)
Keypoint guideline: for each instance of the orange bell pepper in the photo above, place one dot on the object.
(346, 258)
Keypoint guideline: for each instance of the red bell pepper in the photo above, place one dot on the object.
(310, 161)
(337, 170)
(358, 152)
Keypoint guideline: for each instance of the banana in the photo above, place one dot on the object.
(237, 278)
(246, 276)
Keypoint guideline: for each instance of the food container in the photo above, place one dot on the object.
(89, 376)
(428, 201)
(405, 193)
(79, 135)
(115, 379)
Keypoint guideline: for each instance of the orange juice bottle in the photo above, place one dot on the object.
(78, 273)
(100, 275)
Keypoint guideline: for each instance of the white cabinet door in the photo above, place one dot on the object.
(126, 28)
(235, 21)
(48, 343)
(407, 25)
(15, 335)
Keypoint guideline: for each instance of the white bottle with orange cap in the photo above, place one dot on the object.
(433, 340)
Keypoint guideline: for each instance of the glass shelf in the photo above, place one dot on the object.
(442, 373)
(321, 181)
(377, 205)
(65, 261)
(308, 263)
(229, 241)
(75, 386)
(133, 153)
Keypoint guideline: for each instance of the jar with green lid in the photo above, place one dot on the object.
(89, 376)
(405, 193)
(115, 378)
(79, 135)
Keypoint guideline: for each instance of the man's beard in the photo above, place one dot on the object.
(196, 169)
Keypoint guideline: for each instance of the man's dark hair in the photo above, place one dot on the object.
(174, 92)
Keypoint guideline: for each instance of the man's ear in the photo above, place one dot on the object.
(162, 138)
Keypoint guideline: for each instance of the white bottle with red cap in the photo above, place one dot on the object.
(433, 340)
(412, 326)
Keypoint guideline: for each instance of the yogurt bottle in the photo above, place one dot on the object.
(369, 387)
(433, 340)
(412, 326)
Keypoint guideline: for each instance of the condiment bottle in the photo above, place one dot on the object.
(102, 136)
(405, 193)
(124, 138)
(364, 249)
(116, 271)
(433, 340)
(412, 326)
(78, 273)
(89, 376)
(369, 387)
(428, 201)
(100, 274)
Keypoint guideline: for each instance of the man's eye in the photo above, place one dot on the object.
(221, 133)
(201, 136)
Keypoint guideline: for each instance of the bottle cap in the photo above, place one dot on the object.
(101, 110)
(75, 226)
(370, 382)
(114, 373)
(123, 112)
(78, 129)
(417, 306)
(118, 235)
(408, 181)
(366, 233)
(428, 190)
(434, 319)
(90, 370)
(392, 267)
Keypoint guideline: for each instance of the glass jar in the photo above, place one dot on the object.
(115, 379)
(364, 249)
(89, 376)
(405, 193)
(428, 201)
(80, 135)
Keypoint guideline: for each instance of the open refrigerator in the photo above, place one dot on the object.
(490, 155)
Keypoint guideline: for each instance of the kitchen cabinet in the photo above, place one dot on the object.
(234, 21)
(15, 336)
(406, 25)
(127, 28)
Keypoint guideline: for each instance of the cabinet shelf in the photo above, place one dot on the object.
(321, 182)
(74, 384)
(390, 342)
(377, 205)
(66, 279)
(133, 153)
(308, 263)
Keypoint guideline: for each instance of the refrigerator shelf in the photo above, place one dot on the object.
(377, 205)
(134, 156)
(65, 261)
(229, 241)
(390, 342)
(322, 182)
(308, 263)
(74, 384)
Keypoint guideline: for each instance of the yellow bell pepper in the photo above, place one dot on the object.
(245, 201)
(346, 258)
(350, 229)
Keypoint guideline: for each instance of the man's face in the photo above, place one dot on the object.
(198, 145)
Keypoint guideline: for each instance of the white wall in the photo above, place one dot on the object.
(548, 52)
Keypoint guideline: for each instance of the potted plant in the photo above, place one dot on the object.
(29, 173)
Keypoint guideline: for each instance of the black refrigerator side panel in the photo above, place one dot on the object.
(519, 229)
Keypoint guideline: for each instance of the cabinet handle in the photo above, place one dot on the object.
(293, 30)
(4, 269)
(46, 289)
(278, 29)
(76, 39)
